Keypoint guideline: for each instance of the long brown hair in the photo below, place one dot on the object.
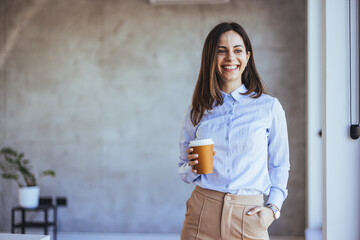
(207, 89)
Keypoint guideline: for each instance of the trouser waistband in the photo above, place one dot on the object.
(231, 198)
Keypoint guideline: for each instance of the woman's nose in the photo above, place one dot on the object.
(230, 56)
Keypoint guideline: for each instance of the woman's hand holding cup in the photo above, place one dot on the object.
(192, 159)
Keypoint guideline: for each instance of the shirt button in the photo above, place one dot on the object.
(227, 154)
(227, 170)
(228, 124)
(230, 112)
(227, 185)
(226, 138)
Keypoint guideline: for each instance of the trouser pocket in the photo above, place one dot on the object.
(236, 224)
(268, 216)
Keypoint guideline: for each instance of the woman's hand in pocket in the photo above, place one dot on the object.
(255, 210)
(265, 212)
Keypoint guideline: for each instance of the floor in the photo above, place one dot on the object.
(116, 236)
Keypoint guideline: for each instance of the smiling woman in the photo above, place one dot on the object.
(251, 152)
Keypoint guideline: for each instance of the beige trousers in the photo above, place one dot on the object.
(212, 215)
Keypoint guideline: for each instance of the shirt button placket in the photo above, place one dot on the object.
(227, 170)
(228, 124)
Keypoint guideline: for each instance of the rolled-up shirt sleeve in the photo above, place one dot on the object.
(186, 135)
(278, 156)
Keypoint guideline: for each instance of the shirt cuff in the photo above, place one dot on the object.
(186, 173)
(276, 198)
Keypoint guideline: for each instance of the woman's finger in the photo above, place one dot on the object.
(192, 156)
(193, 163)
(189, 150)
(214, 152)
(254, 210)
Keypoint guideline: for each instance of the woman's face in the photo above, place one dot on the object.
(231, 57)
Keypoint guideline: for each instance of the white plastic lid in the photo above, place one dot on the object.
(201, 142)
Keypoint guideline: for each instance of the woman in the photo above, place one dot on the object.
(251, 156)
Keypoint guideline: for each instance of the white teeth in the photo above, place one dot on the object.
(230, 67)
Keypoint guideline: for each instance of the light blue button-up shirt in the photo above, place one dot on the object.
(251, 144)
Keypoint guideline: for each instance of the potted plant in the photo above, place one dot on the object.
(16, 168)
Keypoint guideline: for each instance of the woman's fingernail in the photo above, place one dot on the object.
(196, 155)
(249, 213)
(196, 161)
(191, 149)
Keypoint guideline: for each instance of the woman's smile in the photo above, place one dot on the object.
(230, 68)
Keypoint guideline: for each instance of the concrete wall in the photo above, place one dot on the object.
(96, 90)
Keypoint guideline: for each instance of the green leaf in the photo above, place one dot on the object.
(48, 173)
(12, 176)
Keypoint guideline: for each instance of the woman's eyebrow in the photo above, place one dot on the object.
(234, 46)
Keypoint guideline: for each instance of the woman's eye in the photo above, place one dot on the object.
(238, 51)
(221, 51)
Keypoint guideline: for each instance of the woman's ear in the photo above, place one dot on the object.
(248, 56)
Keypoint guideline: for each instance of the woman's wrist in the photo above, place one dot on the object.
(274, 209)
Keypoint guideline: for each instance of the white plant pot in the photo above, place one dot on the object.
(29, 197)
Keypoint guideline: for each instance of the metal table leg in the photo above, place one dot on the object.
(55, 222)
(46, 225)
(12, 220)
(23, 217)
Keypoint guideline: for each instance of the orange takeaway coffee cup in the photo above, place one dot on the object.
(204, 148)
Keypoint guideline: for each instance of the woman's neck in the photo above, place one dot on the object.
(229, 87)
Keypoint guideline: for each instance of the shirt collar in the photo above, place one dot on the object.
(237, 93)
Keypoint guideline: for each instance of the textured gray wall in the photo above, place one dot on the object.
(96, 90)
